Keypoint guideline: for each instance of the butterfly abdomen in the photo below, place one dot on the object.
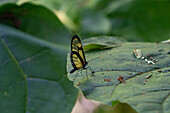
(72, 71)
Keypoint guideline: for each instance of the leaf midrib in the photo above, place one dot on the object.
(19, 68)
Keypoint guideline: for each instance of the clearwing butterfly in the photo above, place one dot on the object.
(78, 59)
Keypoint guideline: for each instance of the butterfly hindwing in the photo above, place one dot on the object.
(76, 60)
(77, 51)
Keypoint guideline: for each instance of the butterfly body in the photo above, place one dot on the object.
(78, 59)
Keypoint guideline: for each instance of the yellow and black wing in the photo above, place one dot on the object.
(77, 56)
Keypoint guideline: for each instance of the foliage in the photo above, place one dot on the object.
(35, 40)
(142, 84)
(33, 62)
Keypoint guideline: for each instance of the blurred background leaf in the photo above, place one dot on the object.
(141, 20)
(32, 61)
(35, 20)
(135, 20)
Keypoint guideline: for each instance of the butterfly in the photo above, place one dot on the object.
(78, 59)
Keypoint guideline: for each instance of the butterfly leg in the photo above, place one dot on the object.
(92, 72)
(77, 74)
(86, 73)
(90, 69)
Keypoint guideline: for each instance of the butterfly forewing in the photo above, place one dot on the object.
(76, 44)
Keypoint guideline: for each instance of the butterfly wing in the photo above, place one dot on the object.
(77, 61)
(76, 46)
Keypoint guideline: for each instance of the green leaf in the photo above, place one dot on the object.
(94, 22)
(32, 61)
(27, 20)
(118, 108)
(141, 92)
(7, 1)
(101, 42)
(65, 10)
(114, 102)
(140, 20)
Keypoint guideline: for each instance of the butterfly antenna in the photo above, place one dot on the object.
(93, 59)
(77, 74)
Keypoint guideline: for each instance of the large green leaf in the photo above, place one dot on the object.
(35, 19)
(143, 94)
(32, 61)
